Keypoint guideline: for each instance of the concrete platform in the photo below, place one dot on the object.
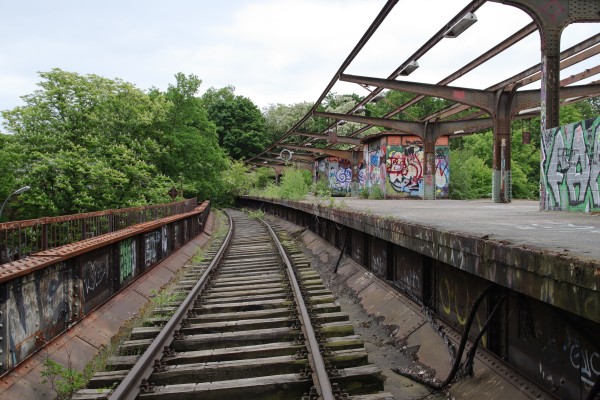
(550, 256)
(519, 223)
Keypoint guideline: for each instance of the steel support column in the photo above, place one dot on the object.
(551, 18)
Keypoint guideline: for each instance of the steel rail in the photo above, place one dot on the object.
(129, 388)
(323, 384)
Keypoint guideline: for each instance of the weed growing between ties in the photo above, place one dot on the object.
(256, 214)
(64, 380)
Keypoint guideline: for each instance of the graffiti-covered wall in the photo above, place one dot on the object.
(338, 172)
(442, 168)
(374, 156)
(404, 166)
(396, 165)
(570, 167)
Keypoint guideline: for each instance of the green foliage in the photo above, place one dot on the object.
(192, 154)
(375, 193)
(237, 180)
(86, 143)
(321, 188)
(257, 214)
(263, 176)
(470, 177)
(295, 183)
(63, 380)
(280, 118)
(239, 123)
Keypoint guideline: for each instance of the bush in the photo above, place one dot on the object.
(295, 183)
(375, 193)
(65, 381)
(321, 188)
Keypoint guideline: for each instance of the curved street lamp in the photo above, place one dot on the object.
(16, 192)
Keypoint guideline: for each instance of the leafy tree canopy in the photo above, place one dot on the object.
(240, 124)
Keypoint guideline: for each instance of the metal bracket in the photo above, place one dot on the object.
(339, 393)
(159, 366)
(306, 372)
(147, 387)
(177, 335)
(168, 352)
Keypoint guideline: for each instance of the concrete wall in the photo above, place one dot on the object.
(570, 167)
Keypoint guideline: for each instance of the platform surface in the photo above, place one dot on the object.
(519, 222)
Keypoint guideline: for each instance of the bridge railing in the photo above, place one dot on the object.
(19, 239)
(43, 295)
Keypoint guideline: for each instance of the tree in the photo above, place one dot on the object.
(192, 155)
(279, 118)
(240, 124)
(86, 143)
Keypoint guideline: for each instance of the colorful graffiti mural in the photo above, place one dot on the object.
(375, 171)
(570, 167)
(340, 175)
(404, 167)
(362, 176)
(442, 172)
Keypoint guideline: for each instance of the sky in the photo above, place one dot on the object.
(271, 51)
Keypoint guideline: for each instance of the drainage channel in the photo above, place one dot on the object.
(256, 323)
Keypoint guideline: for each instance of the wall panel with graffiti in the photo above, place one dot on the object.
(337, 172)
(561, 353)
(442, 170)
(570, 167)
(38, 306)
(405, 166)
(396, 164)
(374, 155)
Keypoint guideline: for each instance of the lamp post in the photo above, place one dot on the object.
(16, 192)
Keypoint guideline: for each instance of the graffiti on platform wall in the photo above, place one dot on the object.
(94, 275)
(127, 259)
(442, 172)
(455, 298)
(583, 359)
(562, 357)
(571, 167)
(404, 167)
(340, 175)
(152, 246)
(165, 240)
(36, 306)
(375, 168)
(362, 175)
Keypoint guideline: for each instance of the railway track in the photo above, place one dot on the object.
(256, 323)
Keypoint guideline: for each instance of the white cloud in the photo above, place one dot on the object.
(272, 51)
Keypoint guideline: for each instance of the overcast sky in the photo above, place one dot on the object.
(272, 51)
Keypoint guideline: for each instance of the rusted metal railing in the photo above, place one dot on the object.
(19, 239)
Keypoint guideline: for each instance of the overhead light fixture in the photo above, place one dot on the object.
(359, 110)
(342, 122)
(466, 21)
(459, 131)
(409, 68)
